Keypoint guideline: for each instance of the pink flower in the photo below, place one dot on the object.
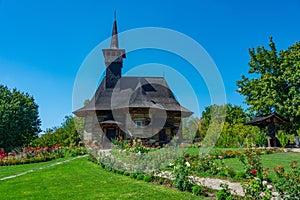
(269, 187)
(264, 182)
(186, 158)
(221, 157)
(262, 194)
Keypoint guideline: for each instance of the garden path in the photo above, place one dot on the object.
(213, 183)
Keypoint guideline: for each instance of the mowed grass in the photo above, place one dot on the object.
(16, 169)
(81, 179)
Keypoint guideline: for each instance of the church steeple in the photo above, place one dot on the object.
(113, 59)
(114, 44)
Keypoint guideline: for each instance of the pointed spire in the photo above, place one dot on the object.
(114, 44)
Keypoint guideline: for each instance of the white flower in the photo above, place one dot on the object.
(188, 164)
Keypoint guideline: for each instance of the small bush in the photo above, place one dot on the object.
(140, 177)
(160, 180)
(126, 173)
(148, 178)
(197, 190)
(230, 172)
(239, 176)
(283, 138)
(133, 175)
(224, 194)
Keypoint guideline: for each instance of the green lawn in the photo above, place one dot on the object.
(12, 170)
(80, 179)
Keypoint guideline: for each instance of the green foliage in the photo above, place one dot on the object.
(256, 184)
(140, 177)
(148, 178)
(256, 188)
(66, 135)
(207, 165)
(197, 190)
(283, 138)
(234, 131)
(133, 175)
(273, 82)
(181, 174)
(288, 183)
(233, 114)
(122, 144)
(233, 135)
(126, 173)
(259, 137)
(252, 163)
(239, 176)
(19, 118)
(224, 194)
(192, 128)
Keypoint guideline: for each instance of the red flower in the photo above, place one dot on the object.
(276, 171)
(253, 171)
(186, 158)
(295, 162)
(279, 167)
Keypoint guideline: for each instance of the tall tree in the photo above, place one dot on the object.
(19, 118)
(66, 135)
(234, 114)
(273, 82)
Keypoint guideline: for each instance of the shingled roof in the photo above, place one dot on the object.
(134, 92)
(262, 120)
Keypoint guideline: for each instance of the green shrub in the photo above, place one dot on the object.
(126, 173)
(197, 190)
(287, 183)
(224, 194)
(148, 178)
(181, 174)
(133, 175)
(160, 180)
(283, 138)
(239, 176)
(230, 172)
(66, 135)
(140, 177)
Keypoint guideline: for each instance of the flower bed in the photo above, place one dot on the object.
(41, 154)
(255, 180)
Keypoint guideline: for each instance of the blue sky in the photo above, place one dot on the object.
(43, 43)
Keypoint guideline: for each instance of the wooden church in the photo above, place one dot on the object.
(130, 107)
